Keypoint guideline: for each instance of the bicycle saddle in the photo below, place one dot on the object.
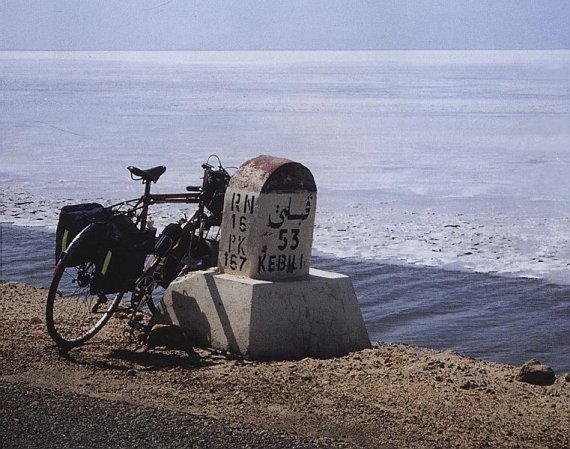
(150, 174)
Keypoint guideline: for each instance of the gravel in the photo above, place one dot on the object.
(114, 393)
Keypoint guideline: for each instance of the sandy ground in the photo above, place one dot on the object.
(114, 393)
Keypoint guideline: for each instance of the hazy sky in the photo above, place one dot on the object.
(283, 24)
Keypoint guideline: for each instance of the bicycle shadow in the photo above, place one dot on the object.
(140, 357)
(156, 360)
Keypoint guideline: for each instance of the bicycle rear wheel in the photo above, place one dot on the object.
(73, 314)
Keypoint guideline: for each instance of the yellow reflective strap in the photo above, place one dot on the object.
(106, 263)
(64, 240)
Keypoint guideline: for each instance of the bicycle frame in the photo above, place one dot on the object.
(148, 199)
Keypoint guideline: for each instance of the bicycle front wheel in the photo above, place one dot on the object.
(73, 313)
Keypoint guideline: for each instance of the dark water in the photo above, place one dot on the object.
(508, 320)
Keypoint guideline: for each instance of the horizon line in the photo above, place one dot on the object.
(279, 49)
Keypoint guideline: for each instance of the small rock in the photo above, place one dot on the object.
(169, 336)
(562, 383)
(470, 384)
(131, 372)
(533, 372)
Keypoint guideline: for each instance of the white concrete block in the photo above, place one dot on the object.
(268, 222)
(314, 317)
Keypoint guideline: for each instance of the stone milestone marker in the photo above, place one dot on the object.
(269, 216)
(264, 301)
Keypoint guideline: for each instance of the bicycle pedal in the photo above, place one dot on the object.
(142, 337)
(136, 325)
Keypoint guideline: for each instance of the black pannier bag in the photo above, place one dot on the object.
(72, 220)
(121, 255)
(213, 194)
(187, 253)
(167, 239)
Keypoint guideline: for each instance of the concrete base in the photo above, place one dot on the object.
(314, 317)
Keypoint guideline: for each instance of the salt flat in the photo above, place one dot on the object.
(452, 159)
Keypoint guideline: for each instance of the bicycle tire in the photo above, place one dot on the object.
(71, 315)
